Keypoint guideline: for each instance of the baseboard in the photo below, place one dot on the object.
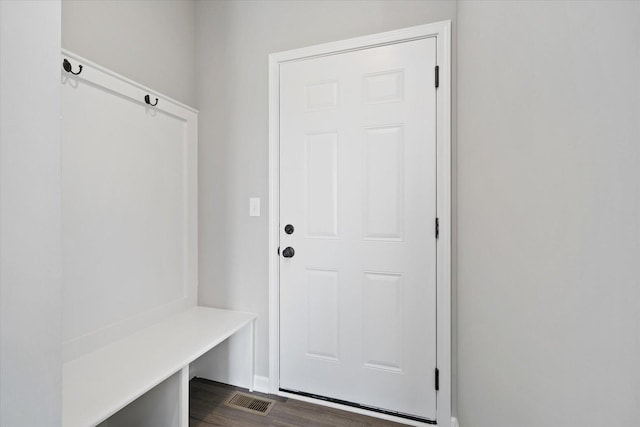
(454, 422)
(261, 384)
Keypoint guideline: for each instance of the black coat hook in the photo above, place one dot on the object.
(67, 67)
(147, 99)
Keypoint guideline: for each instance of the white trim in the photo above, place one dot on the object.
(365, 42)
(442, 32)
(454, 422)
(274, 222)
(443, 251)
(252, 355)
(183, 392)
(113, 77)
(261, 384)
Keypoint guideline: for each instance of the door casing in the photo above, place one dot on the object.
(442, 32)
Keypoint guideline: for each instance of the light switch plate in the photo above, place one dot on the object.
(254, 206)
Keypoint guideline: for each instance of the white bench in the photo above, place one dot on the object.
(99, 384)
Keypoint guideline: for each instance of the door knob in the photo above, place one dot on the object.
(288, 252)
(288, 229)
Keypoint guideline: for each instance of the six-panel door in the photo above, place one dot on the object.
(358, 185)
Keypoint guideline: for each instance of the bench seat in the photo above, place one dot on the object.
(98, 384)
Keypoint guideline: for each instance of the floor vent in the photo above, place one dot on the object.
(248, 403)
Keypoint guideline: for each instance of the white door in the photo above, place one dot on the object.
(358, 187)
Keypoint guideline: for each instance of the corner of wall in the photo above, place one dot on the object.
(30, 224)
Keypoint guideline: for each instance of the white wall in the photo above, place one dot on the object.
(548, 214)
(234, 40)
(149, 41)
(30, 230)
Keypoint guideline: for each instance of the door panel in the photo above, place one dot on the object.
(383, 321)
(384, 183)
(321, 190)
(358, 183)
(322, 314)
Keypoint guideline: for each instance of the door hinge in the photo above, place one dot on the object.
(437, 228)
(278, 250)
(437, 379)
(437, 76)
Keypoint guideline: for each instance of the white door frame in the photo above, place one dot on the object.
(442, 32)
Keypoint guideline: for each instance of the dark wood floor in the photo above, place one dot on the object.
(206, 408)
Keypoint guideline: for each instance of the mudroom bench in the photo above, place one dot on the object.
(100, 383)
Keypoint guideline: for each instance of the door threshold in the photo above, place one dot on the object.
(359, 407)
